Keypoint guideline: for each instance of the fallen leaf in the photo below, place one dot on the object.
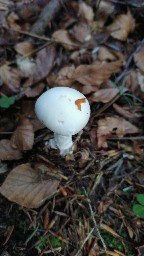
(28, 111)
(63, 37)
(86, 11)
(96, 73)
(41, 67)
(7, 152)
(35, 90)
(122, 26)
(63, 77)
(104, 10)
(11, 77)
(110, 125)
(27, 187)
(24, 48)
(23, 137)
(105, 95)
(81, 32)
(139, 59)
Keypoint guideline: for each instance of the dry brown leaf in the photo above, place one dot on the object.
(139, 59)
(7, 152)
(104, 10)
(107, 54)
(97, 73)
(28, 111)
(63, 37)
(28, 187)
(81, 32)
(34, 91)
(24, 48)
(105, 95)
(86, 12)
(122, 26)
(23, 137)
(109, 229)
(110, 125)
(11, 77)
(64, 77)
(41, 67)
(13, 19)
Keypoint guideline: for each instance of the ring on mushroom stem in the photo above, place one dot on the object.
(65, 111)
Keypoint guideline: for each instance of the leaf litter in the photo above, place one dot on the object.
(82, 204)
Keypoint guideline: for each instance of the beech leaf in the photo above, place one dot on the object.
(28, 187)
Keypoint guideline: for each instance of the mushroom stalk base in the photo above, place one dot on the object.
(64, 143)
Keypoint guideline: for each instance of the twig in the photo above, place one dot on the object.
(95, 224)
(47, 15)
(84, 242)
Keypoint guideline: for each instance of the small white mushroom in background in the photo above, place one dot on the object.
(65, 111)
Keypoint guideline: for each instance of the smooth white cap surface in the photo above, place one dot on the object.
(63, 110)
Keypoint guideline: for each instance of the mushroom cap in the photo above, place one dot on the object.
(63, 110)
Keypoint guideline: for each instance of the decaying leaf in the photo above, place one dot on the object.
(104, 10)
(105, 95)
(11, 77)
(23, 137)
(81, 32)
(63, 37)
(28, 187)
(63, 78)
(24, 48)
(35, 90)
(86, 12)
(139, 59)
(97, 73)
(113, 125)
(40, 68)
(122, 26)
(7, 152)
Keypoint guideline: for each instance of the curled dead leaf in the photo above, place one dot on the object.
(110, 125)
(11, 77)
(7, 152)
(62, 36)
(27, 186)
(24, 48)
(139, 59)
(86, 11)
(122, 26)
(23, 137)
(105, 95)
(64, 77)
(96, 73)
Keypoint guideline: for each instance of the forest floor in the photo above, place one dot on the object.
(91, 202)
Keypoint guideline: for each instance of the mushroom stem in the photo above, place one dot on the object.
(63, 142)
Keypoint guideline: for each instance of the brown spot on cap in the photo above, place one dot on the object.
(79, 102)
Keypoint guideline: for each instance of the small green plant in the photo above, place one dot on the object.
(6, 102)
(138, 207)
(41, 244)
(55, 242)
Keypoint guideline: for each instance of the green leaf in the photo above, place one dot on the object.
(140, 198)
(6, 102)
(138, 210)
(55, 242)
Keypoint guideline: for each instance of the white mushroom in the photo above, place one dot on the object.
(65, 111)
